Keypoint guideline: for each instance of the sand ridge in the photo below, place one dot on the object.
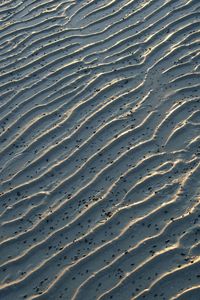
(99, 155)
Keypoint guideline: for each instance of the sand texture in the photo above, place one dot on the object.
(100, 149)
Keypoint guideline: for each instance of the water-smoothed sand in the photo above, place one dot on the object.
(99, 149)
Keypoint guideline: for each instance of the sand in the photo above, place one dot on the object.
(100, 149)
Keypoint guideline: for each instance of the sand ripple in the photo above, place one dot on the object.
(100, 145)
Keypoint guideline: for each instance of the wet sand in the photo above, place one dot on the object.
(100, 149)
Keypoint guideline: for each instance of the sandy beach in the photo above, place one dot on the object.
(100, 149)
